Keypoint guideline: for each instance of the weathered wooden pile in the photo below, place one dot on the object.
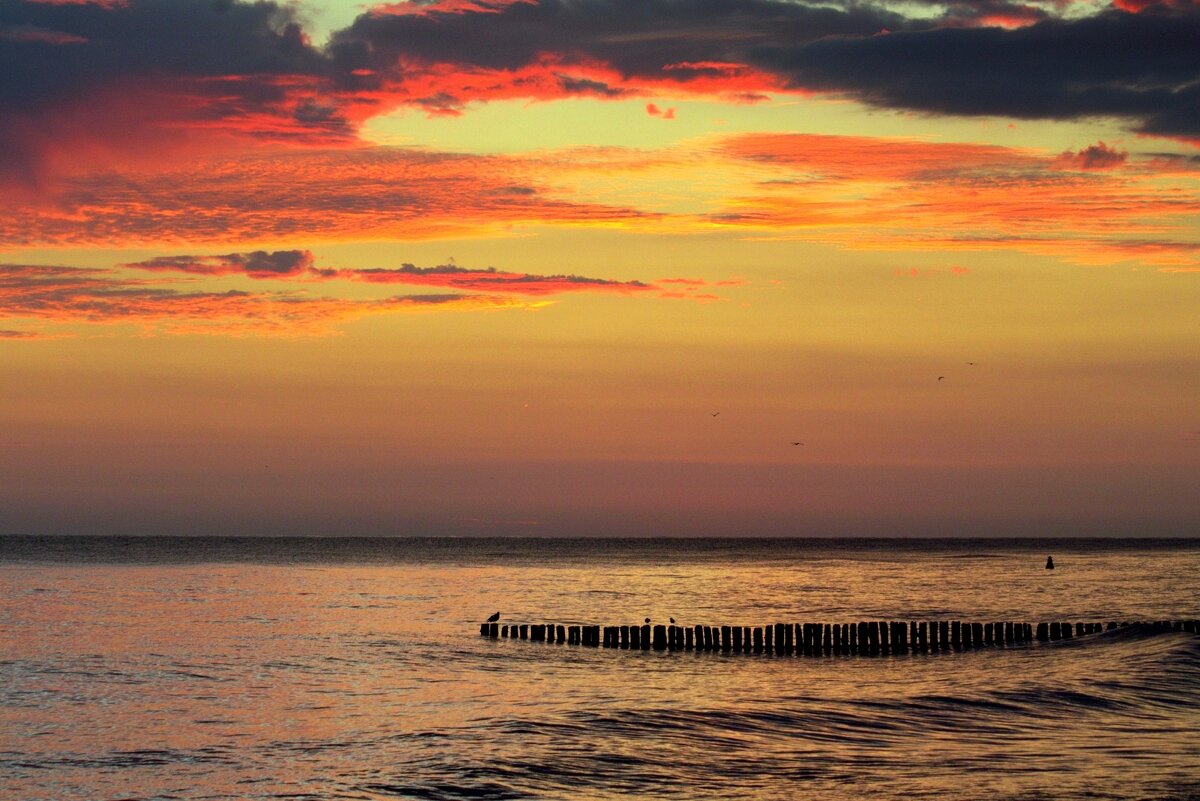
(866, 638)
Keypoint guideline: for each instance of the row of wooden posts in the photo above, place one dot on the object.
(816, 639)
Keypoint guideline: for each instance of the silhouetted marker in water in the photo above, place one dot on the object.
(494, 618)
(1049, 562)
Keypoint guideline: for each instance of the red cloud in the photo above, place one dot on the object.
(361, 193)
(655, 111)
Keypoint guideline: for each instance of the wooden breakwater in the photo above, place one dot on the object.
(865, 638)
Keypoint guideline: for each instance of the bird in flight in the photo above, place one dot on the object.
(714, 414)
(972, 363)
(940, 377)
(797, 443)
(494, 618)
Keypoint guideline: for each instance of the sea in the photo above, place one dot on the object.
(342, 668)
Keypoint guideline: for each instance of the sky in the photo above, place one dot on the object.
(600, 267)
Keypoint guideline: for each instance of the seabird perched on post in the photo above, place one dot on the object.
(493, 618)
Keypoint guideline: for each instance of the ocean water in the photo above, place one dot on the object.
(154, 668)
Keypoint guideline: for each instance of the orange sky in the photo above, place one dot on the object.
(528, 267)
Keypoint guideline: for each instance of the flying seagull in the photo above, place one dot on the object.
(972, 363)
(940, 377)
(714, 414)
(494, 618)
(797, 443)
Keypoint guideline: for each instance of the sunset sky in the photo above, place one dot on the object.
(591, 267)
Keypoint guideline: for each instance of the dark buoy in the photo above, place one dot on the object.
(1049, 562)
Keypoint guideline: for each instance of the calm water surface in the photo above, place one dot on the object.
(353, 669)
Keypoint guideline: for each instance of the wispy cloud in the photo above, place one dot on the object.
(56, 295)
(298, 264)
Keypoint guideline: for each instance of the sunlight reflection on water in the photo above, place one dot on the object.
(258, 680)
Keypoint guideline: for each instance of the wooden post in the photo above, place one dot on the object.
(828, 639)
(923, 635)
(736, 631)
(699, 637)
(689, 641)
(624, 636)
(726, 638)
(944, 634)
(645, 636)
(635, 637)
(1079, 632)
(524, 631)
(956, 634)
(758, 639)
(560, 633)
(768, 638)
(660, 637)
(779, 629)
(788, 637)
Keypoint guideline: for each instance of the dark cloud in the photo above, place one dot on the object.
(1093, 157)
(78, 77)
(258, 264)
(1141, 66)
(1138, 66)
(636, 37)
